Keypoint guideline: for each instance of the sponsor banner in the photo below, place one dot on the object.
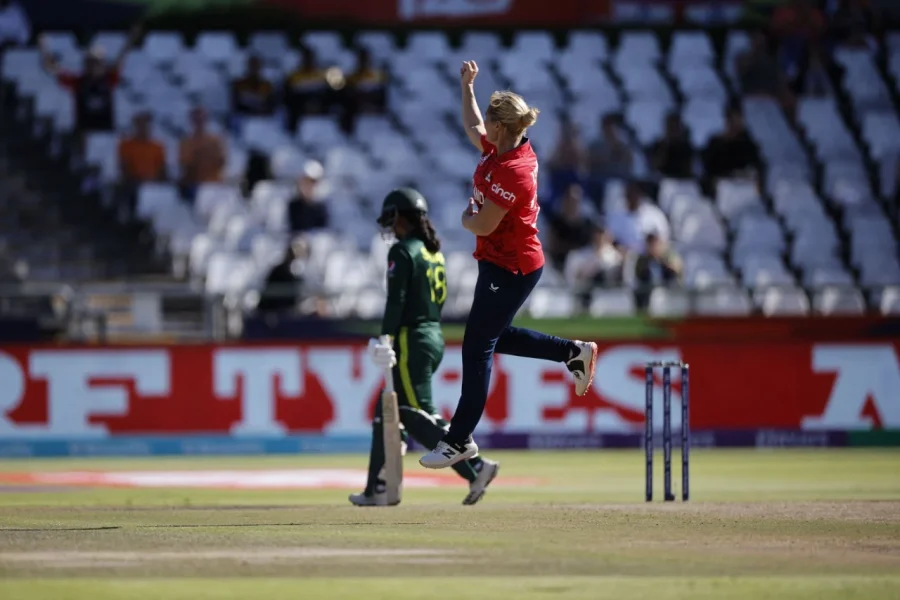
(97, 14)
(716, 438)
(880, 438)
(255, 392)
(222, 445)
(669, 11)
(129, 446)
(505, 13)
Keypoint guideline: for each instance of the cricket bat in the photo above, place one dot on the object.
(390, 421)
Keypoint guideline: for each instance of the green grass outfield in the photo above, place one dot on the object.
(762, 524)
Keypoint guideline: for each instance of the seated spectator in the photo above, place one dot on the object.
(305, 210)
(282, 289)
(894, 186)
(673, 155)
(201, 155)
(567, 163)
(816, 81)
(757, 70)
(364, 92)
(598, 264)
(8, 272)
(306, 90)
(141, 158)
(93, 87)
(657, 265)
(629, 228)
(570, 226)
(15, 28)
(609, 156)
(853, 24)
(797, 26)
(253, 95)
(732, 153)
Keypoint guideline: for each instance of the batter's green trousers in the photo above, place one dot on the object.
(419, 353)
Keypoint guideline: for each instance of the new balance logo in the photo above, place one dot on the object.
(449, 453)
(494, 288)
(508, 196)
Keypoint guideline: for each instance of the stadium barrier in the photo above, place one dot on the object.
(250, 399)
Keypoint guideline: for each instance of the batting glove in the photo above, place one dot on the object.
(382, 355)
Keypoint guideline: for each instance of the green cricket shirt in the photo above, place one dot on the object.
(416, 286)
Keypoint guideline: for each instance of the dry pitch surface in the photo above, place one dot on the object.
(762, 524)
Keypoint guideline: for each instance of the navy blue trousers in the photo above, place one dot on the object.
(499, 294)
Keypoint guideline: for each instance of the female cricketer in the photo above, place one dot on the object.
(417, 289)
(503, 216)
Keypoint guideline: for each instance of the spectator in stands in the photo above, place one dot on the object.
(141, 158)
(895, 186)
(657, 265)
(673, 155)
(15, 29)
(759, 74)
(305, 210)
(757, 69)
(797, 26)
(306, 90)
(609, 156)
(282, 289)
(93, 87)
(853, 23)
(597, 264)
(253, 95)
(630, 227)
(570, 225)
(567, 164)
(7, 269)
(201, 155)
(733, 153)
(365, 91)
(816, 81)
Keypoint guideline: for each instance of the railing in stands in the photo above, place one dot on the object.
(152, 313)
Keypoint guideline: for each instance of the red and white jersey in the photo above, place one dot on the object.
(510, 181)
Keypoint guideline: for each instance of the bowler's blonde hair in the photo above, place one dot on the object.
(512, 111)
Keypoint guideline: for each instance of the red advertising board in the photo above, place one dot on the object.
(273, 390)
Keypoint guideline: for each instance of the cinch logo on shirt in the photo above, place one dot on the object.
(508, 196)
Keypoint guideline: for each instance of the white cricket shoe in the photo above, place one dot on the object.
(446, 455)
(582, 366)
(377, 499)
(477, 488)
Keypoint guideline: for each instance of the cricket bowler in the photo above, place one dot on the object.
(502, 214)
(416, 291)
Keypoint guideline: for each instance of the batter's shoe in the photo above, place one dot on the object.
(376, 499)
(582, 366)
(446, 454)
(477, 488)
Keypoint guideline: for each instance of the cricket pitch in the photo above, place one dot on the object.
(565, 525)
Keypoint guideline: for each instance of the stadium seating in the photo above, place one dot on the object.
(813, 237)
